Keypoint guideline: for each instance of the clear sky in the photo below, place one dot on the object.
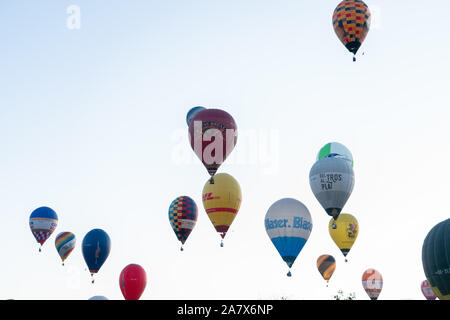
(92, 124)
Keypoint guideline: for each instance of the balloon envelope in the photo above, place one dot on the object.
(133, 281)
(288, 224)
(335, 149)
(96, 247)
(98, 298)
(427, 290)
(43, 222)
(183, 214)
(372, 282)
(436, 259)
(326, 264)
(222, 200)
(213, 135)
(344, 231)
(191, 113)
(332, 181)
(351, 22)
(65, 243)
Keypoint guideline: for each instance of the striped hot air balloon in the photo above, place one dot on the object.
(372, 282)
(326, 264)
(222, 200)
(65, 243)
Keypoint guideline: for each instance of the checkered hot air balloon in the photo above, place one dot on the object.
(43, 222)
(183, 214)
(351, 22)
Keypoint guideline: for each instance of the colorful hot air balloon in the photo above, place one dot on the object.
(132, 281)
(43, 222)
(183, 217)
(427, 290)
(65, 243)
(344, 231)
(332, 180)
(335, 149)
(436, 259)
(192, 113)
(372, 282)
(96, 247)
(222, 200)
(213, 135)
(288, 224)
(351, 22)
(326, 266)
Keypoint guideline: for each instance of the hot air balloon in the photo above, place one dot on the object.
(288, 224)
(427, 290)
(132, 281)
(43, 222)
(335, 149)
(222, 200)
(344, 231)
(183, 217)
(213, 135)
(96, 247)
(98, 298)
(372, 282)
(351, 22)
(65, 243)
(192, 113)
(436, 259)
(332, 181)
(326, 266)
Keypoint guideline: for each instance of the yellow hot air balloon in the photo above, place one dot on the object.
(222, 200)
(344, 232)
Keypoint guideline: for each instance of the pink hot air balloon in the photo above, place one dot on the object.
(372, 282)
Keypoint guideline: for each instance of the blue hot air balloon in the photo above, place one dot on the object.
(43, 222)
(192, 113)
(96, 247)
(288, 224)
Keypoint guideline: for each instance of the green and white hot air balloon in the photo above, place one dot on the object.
(335, 149)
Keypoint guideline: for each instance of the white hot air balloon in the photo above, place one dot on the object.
(288, 224)
(332, 180)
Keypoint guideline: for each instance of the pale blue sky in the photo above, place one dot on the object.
(90, 120)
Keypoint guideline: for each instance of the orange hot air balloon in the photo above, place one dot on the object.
(351, 22)
(222, 200)
(326, 264)
(372, 282)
